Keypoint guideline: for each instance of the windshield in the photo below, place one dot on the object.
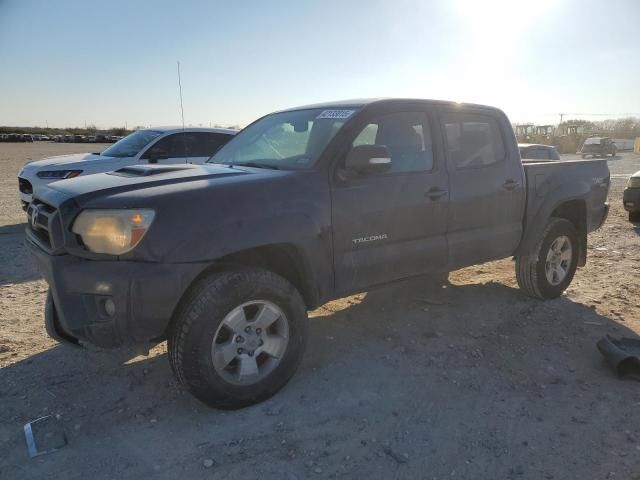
(287, 140)
(130, 145)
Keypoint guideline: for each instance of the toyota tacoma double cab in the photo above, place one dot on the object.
(303, 206)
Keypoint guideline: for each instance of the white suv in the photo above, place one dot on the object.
(152, 145)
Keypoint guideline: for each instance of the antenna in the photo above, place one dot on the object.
(180, 90)
(184, 140)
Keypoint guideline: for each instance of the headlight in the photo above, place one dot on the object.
(634, 182)
(59, 174)
(112, 231)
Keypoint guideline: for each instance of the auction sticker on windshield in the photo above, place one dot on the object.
(336, 114)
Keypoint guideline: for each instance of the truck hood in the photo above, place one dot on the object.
(142, 177)
(65, 161)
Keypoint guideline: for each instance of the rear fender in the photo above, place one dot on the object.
(555, 202)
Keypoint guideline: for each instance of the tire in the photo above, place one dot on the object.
(531, 268)
(634, 217)
(204, 316)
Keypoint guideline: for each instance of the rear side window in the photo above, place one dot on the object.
(473, 140)
(204, 144)
(538, 154)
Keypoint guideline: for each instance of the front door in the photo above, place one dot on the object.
(391, 225)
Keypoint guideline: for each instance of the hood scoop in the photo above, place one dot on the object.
(146, 171)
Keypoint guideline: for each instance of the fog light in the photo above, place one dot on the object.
(109, 307)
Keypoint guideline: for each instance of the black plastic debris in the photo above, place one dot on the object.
(623, 355)
(44, 436)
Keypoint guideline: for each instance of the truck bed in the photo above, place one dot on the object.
(548, 182)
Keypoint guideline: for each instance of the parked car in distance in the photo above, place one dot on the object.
(303, 206)
(165, 145)
(534, 151)
(631, 197)
(598, 147)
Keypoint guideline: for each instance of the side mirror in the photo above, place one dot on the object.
(155, 154)
(368, 159)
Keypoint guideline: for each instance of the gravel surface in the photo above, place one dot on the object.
(474, 380)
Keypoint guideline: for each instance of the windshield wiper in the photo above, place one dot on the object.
(255, 164)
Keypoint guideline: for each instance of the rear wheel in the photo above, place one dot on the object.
(238, 337)
(548, 270)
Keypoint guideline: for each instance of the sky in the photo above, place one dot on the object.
(71, 63)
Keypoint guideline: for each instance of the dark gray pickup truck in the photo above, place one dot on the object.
(303, 206)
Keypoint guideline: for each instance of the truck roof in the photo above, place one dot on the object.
(362, 102)
(172, 128)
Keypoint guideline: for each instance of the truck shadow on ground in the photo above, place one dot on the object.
(367, 348)
(16, 262)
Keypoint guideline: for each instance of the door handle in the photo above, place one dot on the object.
(435, 193)
(510, 185)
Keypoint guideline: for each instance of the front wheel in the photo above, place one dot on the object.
(238, 337)
(548, 270)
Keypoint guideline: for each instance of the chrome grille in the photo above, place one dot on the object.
(40, 218)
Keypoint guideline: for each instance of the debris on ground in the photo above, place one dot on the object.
(623, 355)
(44, 435)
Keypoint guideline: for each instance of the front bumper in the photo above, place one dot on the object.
(631, 199)
(144, 296)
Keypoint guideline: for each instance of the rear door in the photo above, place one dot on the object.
(391, 225)
(486, 186)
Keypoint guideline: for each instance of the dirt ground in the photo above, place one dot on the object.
(472, 381)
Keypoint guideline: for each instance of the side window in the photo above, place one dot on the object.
(538, 154)
(206, 144)
(473, 140)
(406, 135)
(171, 145)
